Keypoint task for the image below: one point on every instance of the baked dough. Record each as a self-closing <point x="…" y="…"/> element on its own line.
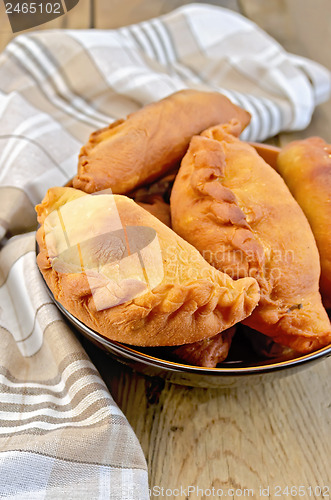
<point x="151" y="141"/>
<point x="306" y="168"/>
<point x="123" y="273"/>
<point x="238" y="212"/>
<point x="156" y="206"/>
<point x="207" y="352"/>
<point x="155" y="198"/>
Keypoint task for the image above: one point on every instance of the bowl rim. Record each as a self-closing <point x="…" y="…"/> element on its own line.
<point x="131" y="352"/>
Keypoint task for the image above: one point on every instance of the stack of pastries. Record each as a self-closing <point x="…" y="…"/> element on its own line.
<point x="174" y="232"/>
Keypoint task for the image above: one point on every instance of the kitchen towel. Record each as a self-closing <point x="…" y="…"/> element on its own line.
<point x="61" y="434"/>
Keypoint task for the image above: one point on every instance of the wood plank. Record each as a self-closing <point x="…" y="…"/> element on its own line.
<point x="5" y="29"/>
<point x="117" y="13"/>
<point x="259" y="435"/>
<point x="302" y="27"/>
<point x="78" y="17"/>
<point x="265" y="434"/>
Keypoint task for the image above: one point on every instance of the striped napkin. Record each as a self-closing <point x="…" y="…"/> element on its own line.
<point x="61" y="434"/>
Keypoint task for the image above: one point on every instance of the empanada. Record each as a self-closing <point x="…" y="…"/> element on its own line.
<point x="155" y="197"/>
<point x="238" y="212"/>
<point x="207" y="352"/>
<point x="151" y="141"/>
<point x="131" y="278"/>
<point x="306" y="168"/>
<point x="156" y="206"/>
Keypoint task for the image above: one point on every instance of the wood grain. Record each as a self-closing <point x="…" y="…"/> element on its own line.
<point x="259" y="435"/>
<point x="78" y="17"/>
<point x="115" y="13"/>
<point x="302" y="27"/>
<point x="265" y="434"/>
<point x="5" y="29"/>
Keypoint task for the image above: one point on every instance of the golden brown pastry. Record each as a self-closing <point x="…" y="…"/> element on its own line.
<point x="207" y="352"/>
<point x="155" y="197"/>
<point x="306" y="168"/>
<point x="267" y="152"/>
<point x="151" y="141"/>
<point x="156" y="206"/>
<point x="131" y="278"/>
<point x="162" y="187"/>
<point x="238" y="212"/>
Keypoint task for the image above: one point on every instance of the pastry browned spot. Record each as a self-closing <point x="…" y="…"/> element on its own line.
<point x="306" y="168"/>
<point x="239" y="213"/>
<point x="155" y="197"/>
<point x="151" y="141"/>
<point x="207" y="352"/>
<point x="119" y="270"/>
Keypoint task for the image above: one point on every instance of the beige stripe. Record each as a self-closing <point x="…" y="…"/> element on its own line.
<point x="86" y="79"/>
<point x="84" y="375"/>
<point x="85" y="390"/>
<point x="97" y="417"/>
<point x="34" y="321"/>
<point x="30" y="65"/>
<point x="91" y="398"/>
<point x="79" y="68"/>
<point x="50" y="387"/>
<point x="109" y="445"/>
<point x="13" y="250"/>
<point x="78" y="130"/>
<point x="53" y="71"/>
<point x="100" y="401"/>
<point x="29" y="390"/>
<point x="60" y="350"/>
<point x="17" y="210"/>
<point x="58" y="386"/>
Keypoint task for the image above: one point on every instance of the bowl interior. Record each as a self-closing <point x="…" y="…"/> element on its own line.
<point x="243" y="360"/>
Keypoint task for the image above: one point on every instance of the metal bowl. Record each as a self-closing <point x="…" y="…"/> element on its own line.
<point x="241" y="366"/>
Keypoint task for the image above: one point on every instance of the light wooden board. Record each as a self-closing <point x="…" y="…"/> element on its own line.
<point x="5" y="29"/>
<point x="303" y="27"/>
<point x="114" y="13"/>
<point x="265" y="434"/>
<point x="261" y="435"/>
<point x="78" y="17"/>
<point x="270" y="435"/>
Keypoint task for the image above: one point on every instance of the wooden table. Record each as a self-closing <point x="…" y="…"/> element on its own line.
<point x="255" y="439"/>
